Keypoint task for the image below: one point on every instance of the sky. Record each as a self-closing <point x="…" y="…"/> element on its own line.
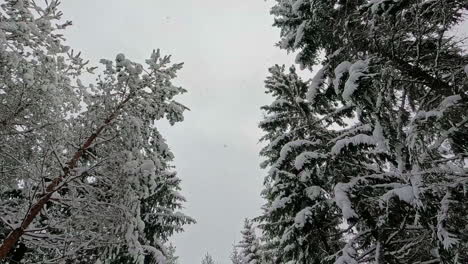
<point x="227" y="47"/>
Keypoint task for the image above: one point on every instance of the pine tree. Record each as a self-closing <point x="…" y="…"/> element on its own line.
<point x="392" y="94"/>
<point x="94" y="181"/>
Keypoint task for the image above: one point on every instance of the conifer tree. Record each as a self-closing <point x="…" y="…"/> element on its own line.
<point x="298" y="218"/>
<point x="249" y="245"/>
<point x="235" y="256"/>
<point x="207" y="259"/>
<point x="392" y="93"/>
<point x="85" y="173"/>
<point x="171" y="257"/>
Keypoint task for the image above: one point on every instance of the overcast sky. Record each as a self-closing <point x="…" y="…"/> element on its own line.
<point x="227" y="47"/>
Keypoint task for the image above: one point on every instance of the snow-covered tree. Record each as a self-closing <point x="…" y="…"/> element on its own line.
<point x="250" y="251"/>
<point x="207" y="259"/>
<point x="298" y="217"/>
<point x="391" y="94"/>
<point x="85" y="173"/>
<point x="235" y="256"/>
<point x="171" y="257"/>
<point x="269" y="250"/>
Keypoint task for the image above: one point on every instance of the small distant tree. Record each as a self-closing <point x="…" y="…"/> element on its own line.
<point x="171" y="257"/>
<point x="250" y="245"/>
<point x="235" y="256"/>
<point x="207" y="259"/>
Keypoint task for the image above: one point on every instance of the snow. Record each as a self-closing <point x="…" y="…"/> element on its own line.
<point x="340" y="70"/>
<point x="299" y="34"/>
<point x="107" y="64"/>
<point x="286" y="236"/>
<point x="284" y="42"/>
<point x="375" y="5"/>
<point x="347" y="256"/>
<point x="353" y="130"/>
<point x="406" y="139"/>
<point x="404" y="193"/>
<point x="297" y="5"/>
<point x="278" y="203"/>
<point x="55" y="196"/>
<point x="379" y="138"/>
<point x="416" y="181"/>
<point x="427" y="114"/>
<point x="315" y="85"/>
<point x="279" y="103"/>
<point x="356" y="72"/>
<point x="355" y="140"/>
<point x="8" y="26"/>
<point x="290" y="146"/>
<point x="147" y="165"/>
<point x="313" y="192"/>
<point x="335" y="53"/>
<point x="157" y="255"/>
<point x="28" y="77"/>
<point x="302" y="216"/>
<point x="278" y="140"/>
<point x="343" y="202"/>
<point x="305" y="157"/>
<point x="120" y="58"/>
<point x="103" y="207"/>
<point x="447" y="239"/>
<point x="270" y="119"/>
<point x="298" y="100"/>
<point x="300" y="60"/>
<point x="448" y="102"/>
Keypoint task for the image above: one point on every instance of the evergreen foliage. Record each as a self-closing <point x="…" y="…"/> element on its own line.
<point x="207" y="259"/>
<point x="382" y="140"/>
<point x="296" y="185"/>
<point x="250" y="251"/>
<point x="235" y="256"/>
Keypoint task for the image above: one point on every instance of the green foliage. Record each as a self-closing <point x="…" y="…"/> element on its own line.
<point x="376" y="138"/>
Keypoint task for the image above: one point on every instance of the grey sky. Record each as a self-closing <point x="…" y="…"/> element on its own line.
<point x="227" y="47"/>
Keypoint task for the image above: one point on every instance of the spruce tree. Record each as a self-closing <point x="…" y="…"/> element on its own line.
<point x="298" y="218"/>
<point x="249" y="245"/>
<point x="392" y="93"/>
<point x="235" y="256"/>
<point x="171" y="257"/>
<point x="207" y="259"/>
